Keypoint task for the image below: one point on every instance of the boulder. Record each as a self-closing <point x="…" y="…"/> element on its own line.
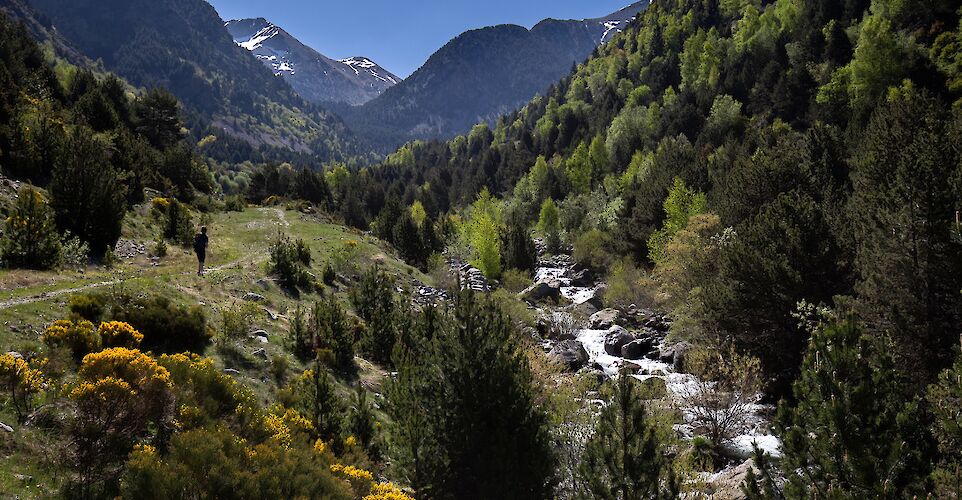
<point x="542" y="291"/>
<point x="231" y="371"/>
<point x="584" y="309"/>
<point x="727" y="484"/>
<point x="583" y="278"/>
<point x="254" y="297"/>
<point x="675" y="355"/>
<point x="616" y="338"/>
<point x="604" y="319"/>
<point x="636" y="349"/>
<point x="260" y="353"/>
<point x="569" y="353"/>
<point x="6" y="428"/>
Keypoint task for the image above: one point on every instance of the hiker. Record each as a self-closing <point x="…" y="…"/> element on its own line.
<point x="200" y="248"/>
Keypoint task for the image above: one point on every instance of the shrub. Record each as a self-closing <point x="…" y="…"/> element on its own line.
<point x="76" y="253"/>
<point x="79" y="337"/>
<point x="549" y="225"/>
<point x="514" y="280"/>
<point x="329" y="276"/>
<point x="288" y="259"/>
<point x="120" y="396"/>
<point x="90" y="307"/>
<point x="267" y="470"/>
<point x="166" y="326"/>
<point x="237" y="320"/>
<point x="626" y="285"/>
<point x="178" y="223"/>
<point x="22" y="382"/>
<point x="119" y="334"/>
<point x="30" y="238"/>
<point x="593" y="249"/>
<point x="235" y="203"/>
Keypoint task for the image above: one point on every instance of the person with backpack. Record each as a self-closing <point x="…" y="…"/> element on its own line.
<point x="200" y="248"/>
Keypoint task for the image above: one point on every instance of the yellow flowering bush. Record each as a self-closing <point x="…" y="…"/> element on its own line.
<point x="359" y="479"/>
<point x="387" y="491"/>
<point x="119" y="334"/>
<point x="160" y="203"/>
<point x="120" y="396"/>
<point x="22" y="382"/>
<point x="80" y="336"/>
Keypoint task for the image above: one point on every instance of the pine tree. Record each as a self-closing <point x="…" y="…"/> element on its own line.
<point x="902" y="210"/>
<point x="465" y="421"/>
<point x="331" y="331"/>
<point x="852" y="433"/>
<point x="945" y="400"/>
<point x="88" y="194"/>
<point x="624" y="460"/>
<point x="30" y="236"/>
<point x="374" y="302"/>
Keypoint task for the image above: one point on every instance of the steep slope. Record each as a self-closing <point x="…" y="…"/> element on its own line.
<point x="183" y="45"/>
<point x="314" y="76"/>
<point x="481" y="74"/>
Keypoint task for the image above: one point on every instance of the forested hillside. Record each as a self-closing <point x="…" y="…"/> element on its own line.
<point x="479" y="75"/>
<point x="721" y="258"/>
<point x="182" y="45"/>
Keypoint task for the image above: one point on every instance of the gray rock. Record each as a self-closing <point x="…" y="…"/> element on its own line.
<point x="636" y="349"/>
<point x="616" y="338"/>
<point x="260" y="353"/>
<point x="570" y="353"/>
<point x="261" y="333"/>
<point x="542" y="291"/>
<point x="231" y="371"/>
<point x="254" y="297"/>
<point x="6" y="428"/>
<point x="15" y="354"/>
<point x="583" y="278"/>
<point x="604" y="319"/>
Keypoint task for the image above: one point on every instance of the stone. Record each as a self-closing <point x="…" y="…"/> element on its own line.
<point x="254" y="297"/>
<point x="727" y="484"/>
<point x="604" y="319"/>
<point x="584" y="309"/>
<point x="636" y="349"/>
<point x="263" y="284"/>
<point x="231" y="371"/>
<point x="15" y="354"/>
<point x="260" y="353"/>
<point x="583" y="278"/>
<point x="542" y="291"/>
<point x="616" y="338"/>
<point x="569" y="353"/>
<point x="261" y="333"/>
<point x="23" y="478"/>
<point x="6" y="428"/>
<point x="675" y="355"/>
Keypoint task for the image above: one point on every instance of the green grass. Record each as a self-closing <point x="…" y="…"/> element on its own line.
<point x="238" y="257"/>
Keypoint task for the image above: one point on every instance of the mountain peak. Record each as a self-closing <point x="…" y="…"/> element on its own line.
<point x="314" y="76"/>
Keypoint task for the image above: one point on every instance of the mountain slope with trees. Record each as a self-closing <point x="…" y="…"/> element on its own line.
<point x="479" y="75"/>
<point x="182" y="45"/>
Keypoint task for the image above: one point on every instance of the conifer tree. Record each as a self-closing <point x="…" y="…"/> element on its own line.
<point x="30" y="236"/>
<point x="331" y="331"/>
<point x="852" y="433"/>
<point x="467" y="387"/>
<point x="549" y="224"/>
<point x="903" y="210"/>
<point x="624" y="460"/>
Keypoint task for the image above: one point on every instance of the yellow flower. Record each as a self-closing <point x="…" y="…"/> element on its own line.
<point x="320" y="447"/>
<point x="119" y="334"/>
<point x="351" y="441"/>
<point x="387" y="491"/>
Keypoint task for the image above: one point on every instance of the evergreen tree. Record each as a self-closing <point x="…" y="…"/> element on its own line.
<point x="89" y="196"/>
<point x="30" y="237"/>
<point x="519" y="249"/>
<point x="317" y="399"/>
<point x="469" y="388"/>
<point x="945" y="400"/>
<point x="361" y="422"/>
<point x="851" y="432"/>
<point x="374" y="302"/>
<point x="902" y="210"/>
<point x="331" y="331"/>
<point x="624" y="459"/>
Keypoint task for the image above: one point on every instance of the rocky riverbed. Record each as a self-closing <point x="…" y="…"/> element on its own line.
<point x="582" y="335"/>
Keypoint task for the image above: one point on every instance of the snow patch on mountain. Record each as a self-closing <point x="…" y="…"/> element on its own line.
<point x="363" y="64"/>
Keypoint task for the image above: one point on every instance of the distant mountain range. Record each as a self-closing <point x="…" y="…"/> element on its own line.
<point x="182" y="45"/>
<point x="480" y="75"/>
<point x="251" y="81"/>
<point x="314" y="76"/>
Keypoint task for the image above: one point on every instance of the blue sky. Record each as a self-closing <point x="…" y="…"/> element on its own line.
<point x="397" y="34"/>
